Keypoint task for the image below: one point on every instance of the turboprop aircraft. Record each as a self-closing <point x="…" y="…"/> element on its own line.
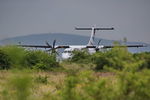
<point x="91" y="48"/>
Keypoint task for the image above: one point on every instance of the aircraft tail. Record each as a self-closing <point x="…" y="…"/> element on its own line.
<point x="93" y="29"/>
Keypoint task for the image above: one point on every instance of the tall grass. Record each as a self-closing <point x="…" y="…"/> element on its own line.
<point x="110" y="75"/>
<point x="84" y="85"/>
<point x="18" y="86"/>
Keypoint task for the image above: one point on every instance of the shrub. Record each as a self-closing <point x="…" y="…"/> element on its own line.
<point x="116" y="58"/>
<point x="32" y="58"/>
<point x="21" y="58"/>
<point x="100" y="59"/>
<point x="80" y="56"/>
<point x="134" y="86"/>
<point x="40" y="60"/>
<point x="145" y="56"/>
<point x="16" y="55"/>
<point x="5" y="62"/>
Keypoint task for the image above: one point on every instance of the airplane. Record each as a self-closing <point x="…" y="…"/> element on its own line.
<point x="68" y="49"/>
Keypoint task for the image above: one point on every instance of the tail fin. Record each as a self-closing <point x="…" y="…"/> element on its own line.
<point x="93" y="29"/>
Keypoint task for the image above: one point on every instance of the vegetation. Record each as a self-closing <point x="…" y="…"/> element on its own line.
<point x="4" y="60"/>
<point x="17" y="57"/>
<point x="116" y="58"/>
<point x="80" y="57"/>
<point x="114" y="74"/>
<point x="40" y="60"/>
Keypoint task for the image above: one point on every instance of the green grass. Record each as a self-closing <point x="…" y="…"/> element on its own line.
<point x="82" y="85"/>
<point x="111" y="75"/>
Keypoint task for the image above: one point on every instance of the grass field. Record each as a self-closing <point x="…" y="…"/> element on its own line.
<point x="78" y="85"/>
<point x="112" y="75"/>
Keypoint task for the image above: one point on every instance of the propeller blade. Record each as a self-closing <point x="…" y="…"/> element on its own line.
<point x="48" y="44"/>
<point x="54" y="42"/>
<point x="99" y="42"/>
<point x="97" y="49"/>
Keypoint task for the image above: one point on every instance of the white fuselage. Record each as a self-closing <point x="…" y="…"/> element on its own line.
<point x="67" y="53"/>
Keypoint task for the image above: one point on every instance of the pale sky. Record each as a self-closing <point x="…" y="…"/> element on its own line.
<point x="130" y="18"/>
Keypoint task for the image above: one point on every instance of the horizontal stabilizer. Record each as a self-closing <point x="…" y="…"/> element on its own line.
<point x="94" y="28"/>
<point x="83" y="28"/>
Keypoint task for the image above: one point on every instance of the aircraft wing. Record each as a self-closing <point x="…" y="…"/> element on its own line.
<point x="111" y="46"/>
<point x="62" y="46"/>
<point x="78" y="46"/>
<point x="124" y="46"/>
<point x="36" y="46"/>
<point x="94" y="46"/>
<point x="44" y="46"/>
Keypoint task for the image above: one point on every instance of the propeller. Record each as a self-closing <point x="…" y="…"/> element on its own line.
<point x="53" y="48"/>
<point x="97" y="49"/>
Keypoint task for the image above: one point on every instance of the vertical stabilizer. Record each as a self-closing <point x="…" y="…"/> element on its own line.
<point x="91" y="41"/>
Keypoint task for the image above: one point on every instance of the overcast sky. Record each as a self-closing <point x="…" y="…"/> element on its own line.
<point x="130" y="18"/>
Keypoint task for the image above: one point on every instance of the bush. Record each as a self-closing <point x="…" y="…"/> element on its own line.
<point x="134" y="86"/>
<point x="116" y="58"/>
<point x="145" y="56"/>
<point x="80" y="57"/>
<point x="5" y="62"/>
<point x="21" y="58"/>
<point x="41" y="60"/>
<point x="16" y="55"/>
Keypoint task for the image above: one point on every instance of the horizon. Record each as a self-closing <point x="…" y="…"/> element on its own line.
<point x="23" y="36"/>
